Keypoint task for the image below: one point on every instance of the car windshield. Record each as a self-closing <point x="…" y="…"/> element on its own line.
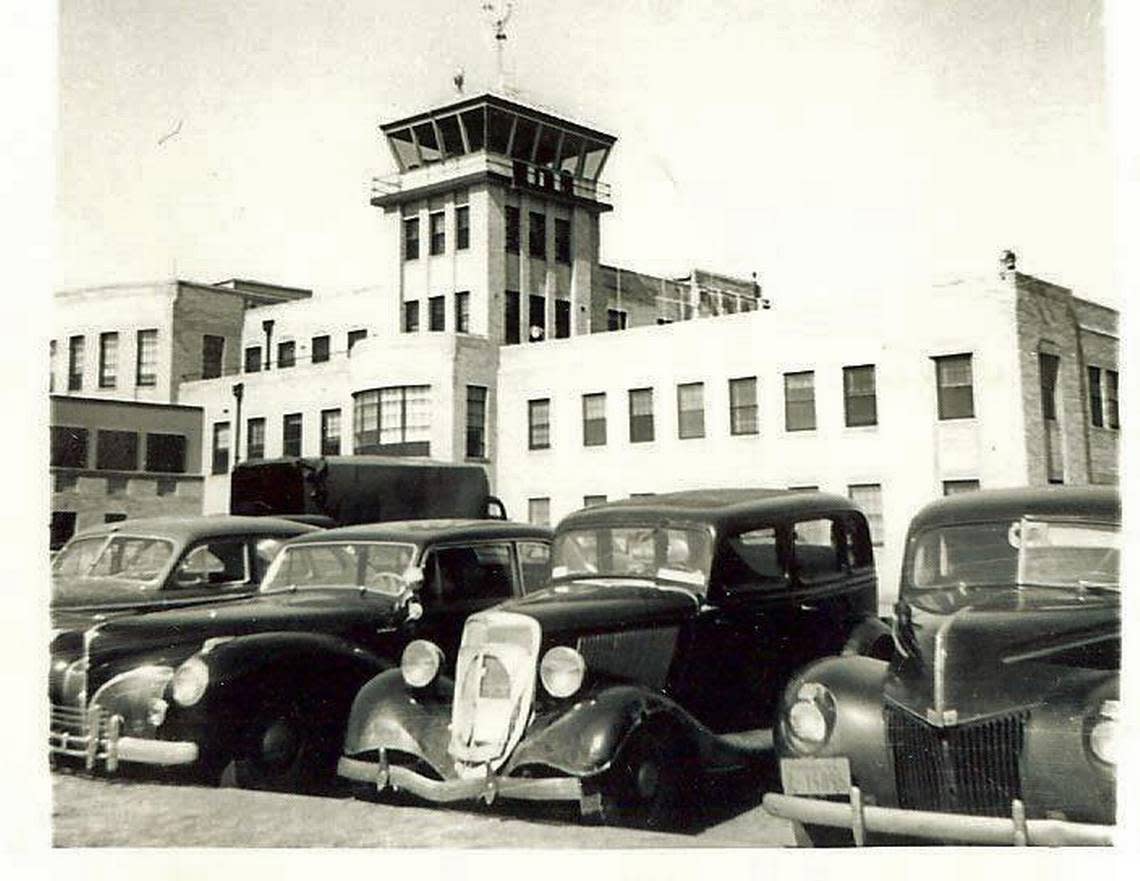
<point x="1028" y="552"/>
<point x="376" y="566"/>
<point x="123" y="558"/>
<point x="77" y="556"/>
<point x="667" y="554"/>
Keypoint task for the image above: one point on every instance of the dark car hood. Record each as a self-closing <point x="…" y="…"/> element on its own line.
<point x="994" y="650"/>
<point x="604" y="604"/>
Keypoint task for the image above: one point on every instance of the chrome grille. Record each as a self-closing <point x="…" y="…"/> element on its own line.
<point x="640" y="655"/>
<point x="91" y="735"/>
<point x="968" y="769"/>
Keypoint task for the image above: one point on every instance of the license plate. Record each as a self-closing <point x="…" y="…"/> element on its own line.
<point x="829" y="776"/>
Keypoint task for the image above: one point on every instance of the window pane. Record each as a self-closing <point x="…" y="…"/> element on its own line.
<point x="538" y="511"/>
<point x="513" y="230"/>
<point x="537" y="317"/>
<point x="534" y="560"/>
<point x="511" y="318"/>
<point x="594" y="419"/>
<point x="1096" y="407"/>
<point x="438" y="235"/>
<point x="753" y="559"/>
<point x="252" y="359"/>
<point x="147" y="358"/>
<point x="561" y="240"/>
<point x="221" y="448"/>
<point x="108" y="359"/>
<point x="816" y="549"/>
<point x="213" y="348"/>
<point x="437" y="309"/>
<point x="474" y="123"/>
<point x="411" y="238"/>
<point x="690" y="410"/>
<point x="561" y="319"/>
<point x="286" y="354"/>
<point x="476" y="422"/>
<point x="411" y="316"/>
<point x="1111" y="398"/>
<point x="955" y="387"/>
<point x="75" y="354"/>
<point x="330" y="432"/>
<point x="68" y="447"/>
<point x="462" y="312"/>
<point x="462" y="228"/>
<point x="537" y="235"/>
<point x="166" y="453"/>
<point x="1048" y="367"/>
<point x="117" y="451"/>
<point x="291" y="434"/>
<point x="320" y="349"/>
<point x="859" y="395"/>
<point x="799" y="401"/>
<point x="429" y="146"/>
<point x="449" y="130"/>
<point x="743" y="412"/>
<point x="538" y="424"/>
<point x="641" y="415"/>
<point x="255" y="439"/>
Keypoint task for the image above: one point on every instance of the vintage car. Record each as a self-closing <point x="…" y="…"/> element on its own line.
<point x="997" y="719"/>
<point x="658" y="651"/>
<point x="263" y="686"/>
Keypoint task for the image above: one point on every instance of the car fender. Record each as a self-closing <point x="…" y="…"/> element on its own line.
<point x="871" y="638"/>
<point x="388" y="714"/>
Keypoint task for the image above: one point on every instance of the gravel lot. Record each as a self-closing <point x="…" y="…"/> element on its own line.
<point x="142" y="813"/>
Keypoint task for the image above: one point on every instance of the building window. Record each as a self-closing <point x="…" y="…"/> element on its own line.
<point x="561" y="240"/>
<point x="108" y="359"/>
<point x="221" y="448"/>
<point x="62" y="527"/>
<point x="255" y="439"/>
<point x="561" y="319"/>
<point x="592" y="501"/>
<point x="511" y="318"/>
<point x="213" y="349"/>
<point x="538" y="424"/>
<point x="411" y="316"/>
<point x="1096" y="402"/>
<point x="537" y="316"/>
<point x="859" y="404"/>
<point x="869" y="497"/>
<point x="640" y="415"/>
<point x="462" y="228"/>
<point x="690" y="410"/>
<point x="330" y="432"/>
<point x="395" y="420"/>
<point x="1048" y="367"/>
<point x="114" y="518"/>
<point x="438" y="243"/>
<point x="68" y="447"/>
<point x="953" y="487"/>
<point x="743" y="413"/>
<point x="252" y="359"/>
<point x="75" y="364"/>
<point x="291" y="434"/>
<point x="476" y="422"/>
<point x="538" y="511"/>
<point x="355" y="336"/>
<point x="411" y="238"/>
<point x="437" y="309"/>
<point x="616" y="319"/>
<point x="117" y="451"/>
<point x="166" y="453"/>
<point x="512" y="232"/>
<point x="594" y="420"/>
<point x="320" y="349"/>
<point x="462" y="312"/>
<point x="51" y="366"/>
<point x="955" y="375"/>
<point x="286" y="353"/>
<point x="146" y="358"/>
<point x="537" y="235"/>
<point x="1112" y="399"/>
<point x="799" y="401"/>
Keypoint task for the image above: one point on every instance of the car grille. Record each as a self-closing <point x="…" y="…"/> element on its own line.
<point x="968" y="769"/>
<point x="638" y="655"/>
<point x="90" y="735"/>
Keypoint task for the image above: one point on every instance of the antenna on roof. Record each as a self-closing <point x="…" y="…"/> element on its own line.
<point x="498" y="16"/>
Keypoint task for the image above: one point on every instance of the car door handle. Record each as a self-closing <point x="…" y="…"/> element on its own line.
<point x="808" y="607"/>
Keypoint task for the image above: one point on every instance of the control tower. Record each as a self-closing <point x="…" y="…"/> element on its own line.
<point x="493" y="214"/>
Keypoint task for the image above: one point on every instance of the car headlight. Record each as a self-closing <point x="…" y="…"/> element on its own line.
<point x="1104" y="735"/>
<point x="810" y="718"/>
<point x="190" y="681"/>
<point x="562" y="671"/>
<point x="420" y="663"/>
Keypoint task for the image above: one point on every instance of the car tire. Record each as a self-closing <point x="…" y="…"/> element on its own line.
<point x="645" y="785"/>
<point x="284" y="751"/>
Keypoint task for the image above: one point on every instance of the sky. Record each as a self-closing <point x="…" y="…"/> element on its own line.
<point x="836" y="147"/>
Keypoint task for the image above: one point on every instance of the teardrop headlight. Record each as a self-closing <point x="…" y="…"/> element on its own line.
<point x="562" y="671"/>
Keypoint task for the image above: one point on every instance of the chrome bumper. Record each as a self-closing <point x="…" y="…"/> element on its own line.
<point x="396" y="777"/>
<point x="861" y="818"/>
<point x="95" y="736"/>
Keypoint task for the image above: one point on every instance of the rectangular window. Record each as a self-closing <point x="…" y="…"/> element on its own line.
<point x="75" y="364"/>
<point x="594" y="420"/>
<point x="513" y="229"/>
<point x="146" y="358"/>
<point x="411" y="316"/>
<point x="255" y="439"/>
<point x="476" y="422"/>
<point x="221" y="448"/>
<point x="330" y="432"/>
<point x="953" y="487"/>
<point x="355" y="336"/>
<point x="411" y="238"/>
<point x="462" y="312"/>
<point x="320" y="349"/>
<point x="537" y="237"/>
<point x="561" y="319"/>
<point x="291" y="434"/>
<point x="616" y="319"/>
<point x="869" y="497"/>
<point x="537" y="316"/>
<point x="393" y="421"/>
<point x="117" y="451"/>
<point x="511" y="318"/>
<point x="1112" y="399"/>
<point x="859" y="403"/>
<point x="108" y="359"/>
<point x="816" y="549"/>
<point x="166" y="453"/>
<point x="213" y="350"/>
<point x="286" y="353"/>
<point x="799" y="401"/>
<point x="743" y="413"/>
<point x="591" y="501"/>
<point x="252" y="359"/>
<point x="690" y="410"/>
<point x="640" y="415"/>
<point x="437" y="310"/>
<point x="62" y="527"/>
<point x="1048" y="367"/>
<point x="462" y="228"/>
<point x="438" y="243"/>
<point x="68" y="447"/>
<point x="538" y="511"/>
<point x="955" y="376"/>
<point x="1096" y="402"/>
<point x="561" y="240"/>
<point x="538" y="424"/>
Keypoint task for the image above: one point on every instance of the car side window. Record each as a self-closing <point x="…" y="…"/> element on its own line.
<point x="457" y="574"/>
<point x="534" y="561"/>
<point x="857" y="542"/>
<point x="753" y="560"/>
<point x="214" y="563"/>
<point x="816" y="547"/>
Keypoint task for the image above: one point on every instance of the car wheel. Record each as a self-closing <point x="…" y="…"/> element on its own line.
<point x="644" y="787"/>
<point x="285" y="751"/>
